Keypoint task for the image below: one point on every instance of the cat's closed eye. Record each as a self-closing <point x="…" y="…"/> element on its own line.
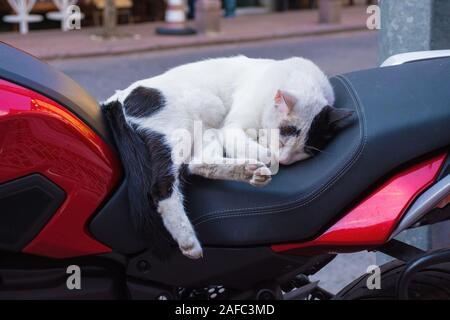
<point x="289" y="131"/>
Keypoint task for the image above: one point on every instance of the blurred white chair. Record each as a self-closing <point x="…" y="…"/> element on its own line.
<point x="23" y="17"/>
<point x="63" y="12"/>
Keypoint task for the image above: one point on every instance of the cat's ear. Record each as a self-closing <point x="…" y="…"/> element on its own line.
<point x="338" y="118"/>
<point x="284" y="101"/>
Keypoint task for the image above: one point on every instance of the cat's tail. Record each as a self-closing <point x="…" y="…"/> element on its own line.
<point x="136" y="161"/>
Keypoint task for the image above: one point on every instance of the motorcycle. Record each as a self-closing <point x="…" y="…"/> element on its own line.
<point x="64" y="205"/>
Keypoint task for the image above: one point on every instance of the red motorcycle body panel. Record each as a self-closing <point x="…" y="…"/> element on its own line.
<point x="373" y="220"/>
<point x="39" y="136"/>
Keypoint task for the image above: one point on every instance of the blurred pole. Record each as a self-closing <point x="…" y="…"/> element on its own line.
<point x="413" y="25"/>
<point x="207" y="16"/>
<point x="406" y="26"/>
<point x="109" y="18"/>
<point x="330" y="11"/>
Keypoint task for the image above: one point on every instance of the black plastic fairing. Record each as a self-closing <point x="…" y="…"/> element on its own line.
<point x="112" y="224"/>
<point x="238" y="268"/>
<point x="28" y="277"/>
<point x="26" y="204"/>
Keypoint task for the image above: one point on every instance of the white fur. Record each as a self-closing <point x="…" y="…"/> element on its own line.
<point x="233" y="92"/>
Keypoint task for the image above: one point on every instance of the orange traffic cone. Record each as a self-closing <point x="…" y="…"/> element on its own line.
<point x="175" y="20"/>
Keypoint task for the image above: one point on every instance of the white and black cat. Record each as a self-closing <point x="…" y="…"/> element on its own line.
<point x="230" y="96"/>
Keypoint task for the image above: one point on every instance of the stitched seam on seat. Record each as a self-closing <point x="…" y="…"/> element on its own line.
<point x="272" y="209"/>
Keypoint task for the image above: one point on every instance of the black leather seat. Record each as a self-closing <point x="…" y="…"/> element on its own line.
<point x="402" y="112"/>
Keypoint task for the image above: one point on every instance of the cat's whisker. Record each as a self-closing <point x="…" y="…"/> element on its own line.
<point x="318" y="150"/>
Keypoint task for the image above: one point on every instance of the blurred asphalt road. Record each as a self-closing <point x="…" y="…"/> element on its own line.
<point x="333" y="53"/>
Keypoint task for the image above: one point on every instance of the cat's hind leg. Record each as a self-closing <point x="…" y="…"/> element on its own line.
<point x="165" y="192"/>
<point x="177" y="223"/>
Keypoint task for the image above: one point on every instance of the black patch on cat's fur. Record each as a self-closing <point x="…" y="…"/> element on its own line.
<point x="148" y="176"/>
<point x="183" y="173"/>
<point x="161" y="163"/>
<point x="290" y="131"/>
<point x="143" y="102"/>
<point x="325" y="125"/>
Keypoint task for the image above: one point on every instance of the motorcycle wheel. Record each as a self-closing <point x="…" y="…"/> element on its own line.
<point x="432" y="283"/>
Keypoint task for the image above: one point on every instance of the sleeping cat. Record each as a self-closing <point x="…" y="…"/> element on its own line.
<point x="229" y="95"/>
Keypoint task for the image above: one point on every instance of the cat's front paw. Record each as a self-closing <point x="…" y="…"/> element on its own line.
<point x="191" y="248"/>
<point x="265" y="156"/>
<point x="259" y="174"/>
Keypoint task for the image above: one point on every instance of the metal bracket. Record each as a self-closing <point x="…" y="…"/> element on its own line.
<point x="400" y="250"/>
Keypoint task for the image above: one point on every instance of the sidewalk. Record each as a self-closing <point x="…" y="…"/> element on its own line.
<point x="54" y="44"/>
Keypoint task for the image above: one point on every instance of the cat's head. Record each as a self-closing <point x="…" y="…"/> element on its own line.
<point x="305" y="128"/>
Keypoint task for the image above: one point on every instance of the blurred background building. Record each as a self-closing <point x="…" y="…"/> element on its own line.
<point x="138" y="11"/>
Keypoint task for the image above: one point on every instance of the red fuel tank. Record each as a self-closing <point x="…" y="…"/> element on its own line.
<point x="37" y="135"/>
